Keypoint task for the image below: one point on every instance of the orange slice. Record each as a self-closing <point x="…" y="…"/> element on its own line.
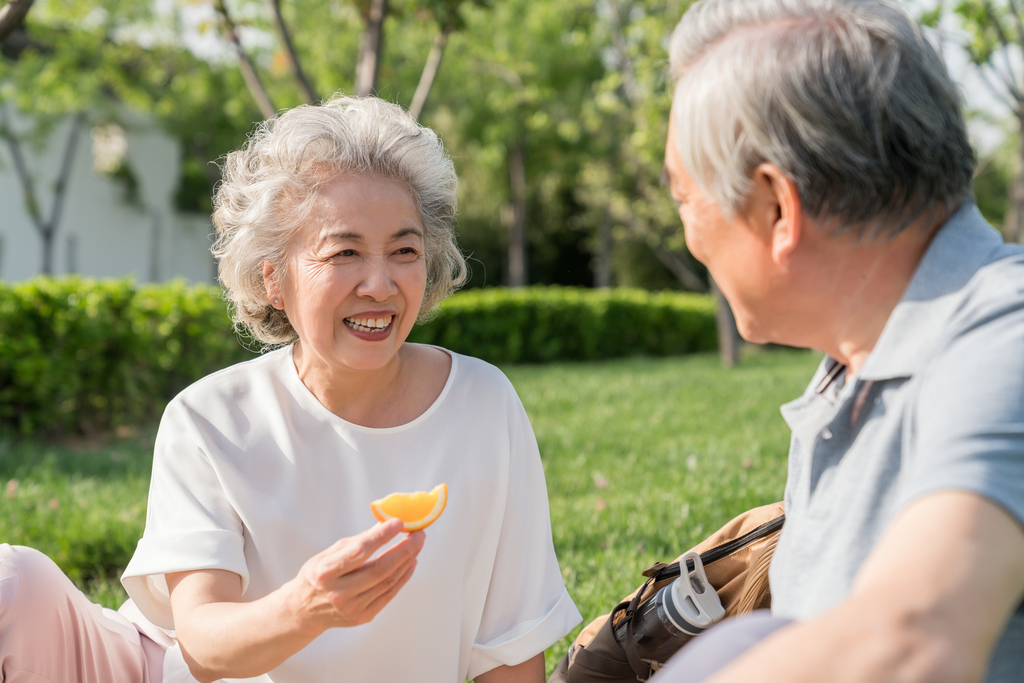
<point x="418" y="510"/>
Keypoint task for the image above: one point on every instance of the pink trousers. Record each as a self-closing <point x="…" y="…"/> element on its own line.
<point x="51" y="633"/>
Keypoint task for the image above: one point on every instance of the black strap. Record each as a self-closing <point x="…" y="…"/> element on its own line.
<point x="628" y="644"/>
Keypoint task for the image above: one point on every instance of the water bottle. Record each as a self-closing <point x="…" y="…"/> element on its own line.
<point x="675" y="614"/>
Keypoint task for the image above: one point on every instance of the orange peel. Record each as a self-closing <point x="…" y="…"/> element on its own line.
<point x="417" y="510"/>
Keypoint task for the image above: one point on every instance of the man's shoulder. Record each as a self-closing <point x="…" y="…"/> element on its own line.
<point x="993" y="298"/>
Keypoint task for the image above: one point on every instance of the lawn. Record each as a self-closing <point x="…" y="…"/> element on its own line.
<point x="643" y="458"/>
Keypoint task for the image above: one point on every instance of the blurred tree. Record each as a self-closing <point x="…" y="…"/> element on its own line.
<point x="11" y="16"/>
<point x="995" y="38"/>
<point x="509" y="111"/>
<point x="70" y="62"/>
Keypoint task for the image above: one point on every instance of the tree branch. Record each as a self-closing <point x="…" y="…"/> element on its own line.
<point x="11" y="16"/>
<point x="61" y="186"/>
<point x="300" y="75"/>
<point x="372" y="48"/>
<point x="28" y="187"/>
<point x="993" y="89"/>
<point x="679" y="269"/>
<point x="252" y="80"/>
<point x="430" y="69"/>
<point x="629" y="83"/>
<point x="1018" y="23"/>
<point x="1011" y="80"/>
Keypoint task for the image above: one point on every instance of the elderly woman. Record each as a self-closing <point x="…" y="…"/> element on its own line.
<point x="335" y="236"/>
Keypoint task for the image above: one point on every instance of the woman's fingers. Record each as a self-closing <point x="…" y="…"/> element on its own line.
<point x="348" y="582"/>
<point x="378" y="602"/>
<point x="374" y="577"/>
<point x="348" y="554"/>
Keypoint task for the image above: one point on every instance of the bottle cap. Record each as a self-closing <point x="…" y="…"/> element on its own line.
<point x="693" y="605"/>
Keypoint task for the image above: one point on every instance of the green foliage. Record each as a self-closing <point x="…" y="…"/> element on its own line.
<point x="84" y="506"/>
<point x="81" y="355"/>
<point x="643" y="458"/>
<point x="544" y="324"/>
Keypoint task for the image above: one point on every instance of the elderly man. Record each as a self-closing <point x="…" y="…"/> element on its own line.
<point x="818" y="152"/>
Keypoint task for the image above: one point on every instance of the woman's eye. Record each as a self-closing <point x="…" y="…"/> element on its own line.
<point x="345" y="253"/>
<point x="406" y="251"/>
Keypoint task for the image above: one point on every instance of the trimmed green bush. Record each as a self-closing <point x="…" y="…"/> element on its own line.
<point x="545" y="324"/>
<point x="81" y="355"/>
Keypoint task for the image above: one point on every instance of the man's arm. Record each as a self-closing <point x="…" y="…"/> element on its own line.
<point x="929" y="604"/>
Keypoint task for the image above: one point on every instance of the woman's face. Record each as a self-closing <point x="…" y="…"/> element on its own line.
<point x="356" y="274"/>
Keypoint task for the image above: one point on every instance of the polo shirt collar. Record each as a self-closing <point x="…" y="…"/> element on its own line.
<point x="961" y="246"/>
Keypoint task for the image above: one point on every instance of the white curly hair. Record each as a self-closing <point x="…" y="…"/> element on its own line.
<point x="270" y="186"/>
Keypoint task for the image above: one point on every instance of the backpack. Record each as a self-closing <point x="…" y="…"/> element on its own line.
<point x="736" y="560"/>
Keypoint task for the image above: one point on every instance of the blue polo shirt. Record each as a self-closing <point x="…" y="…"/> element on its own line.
<point x="938" y="405"/>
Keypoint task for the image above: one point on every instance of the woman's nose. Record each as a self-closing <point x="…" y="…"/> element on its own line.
<point x="377" y="282"/>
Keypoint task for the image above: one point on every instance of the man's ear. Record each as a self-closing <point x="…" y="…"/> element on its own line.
<point x="780" y="209"/>
<point x="272" y="286"/>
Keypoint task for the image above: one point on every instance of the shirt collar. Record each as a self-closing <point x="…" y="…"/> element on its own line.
<point x="962" y="245"/>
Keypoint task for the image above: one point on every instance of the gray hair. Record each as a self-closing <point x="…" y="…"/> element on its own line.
<point x="271" y="185"/>
<point x="846" y="97"/>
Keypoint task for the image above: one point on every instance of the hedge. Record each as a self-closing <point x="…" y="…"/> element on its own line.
<point x="543" y="324"/>
<point x="80" y="355"/>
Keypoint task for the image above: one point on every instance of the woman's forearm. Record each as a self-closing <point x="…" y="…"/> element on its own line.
<point x="222" y="639"/>
<point x="221" y="636"/>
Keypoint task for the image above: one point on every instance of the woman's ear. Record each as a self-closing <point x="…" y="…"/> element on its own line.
<point x="782" y="212"/>
<point x="270" y="283"/>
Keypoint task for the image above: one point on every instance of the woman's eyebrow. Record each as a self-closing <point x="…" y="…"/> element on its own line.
<point x="407" y="231"/>
<point x="339" y="236"/>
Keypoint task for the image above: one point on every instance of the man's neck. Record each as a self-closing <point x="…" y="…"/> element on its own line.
<point x="859" y="285"/>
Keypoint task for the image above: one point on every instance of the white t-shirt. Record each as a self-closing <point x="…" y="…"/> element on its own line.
<point x="252" y="474"/>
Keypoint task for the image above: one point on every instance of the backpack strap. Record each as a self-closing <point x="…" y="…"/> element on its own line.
<point x="641" y="670"/>
<point x="606" y="665"/>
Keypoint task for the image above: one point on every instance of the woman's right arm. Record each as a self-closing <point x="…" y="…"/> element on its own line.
<point x="223" y="637"/>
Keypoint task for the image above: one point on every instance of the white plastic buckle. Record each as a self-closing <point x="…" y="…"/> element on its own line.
<point x="696" y="604"/>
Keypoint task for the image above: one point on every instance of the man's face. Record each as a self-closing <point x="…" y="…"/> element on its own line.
<point x="736" y="252"/>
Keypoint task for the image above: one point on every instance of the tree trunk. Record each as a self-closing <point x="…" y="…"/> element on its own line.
<point x="430" y="69"/>
<point x="12" y="15"/>
<point x="1013" y="224"/>
<point x="371" y="49"/>
<point x="47" y="229"/>
<point x="728" y="335"/>
<point x="518" y="265"/>
<point x="603" y="269"/>
<point x="300" y="75"/>
<point x="245" y="65"/>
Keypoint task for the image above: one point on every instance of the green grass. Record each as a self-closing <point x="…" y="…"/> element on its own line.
<point x="643" y="457"/>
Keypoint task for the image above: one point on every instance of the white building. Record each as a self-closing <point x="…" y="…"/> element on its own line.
<point x="102" y="233"/>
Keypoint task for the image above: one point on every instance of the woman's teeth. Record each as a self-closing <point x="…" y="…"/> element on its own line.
<point x="369" y="324"/>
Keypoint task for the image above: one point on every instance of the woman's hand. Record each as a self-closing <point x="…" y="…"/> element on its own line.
<point x="342" y="586"/>
<point x="223" y="637"/>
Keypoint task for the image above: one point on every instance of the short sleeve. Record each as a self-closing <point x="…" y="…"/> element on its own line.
<point x="969" y="420"/>
<point x="190" y="523"/>
<point x="527" y="608"/>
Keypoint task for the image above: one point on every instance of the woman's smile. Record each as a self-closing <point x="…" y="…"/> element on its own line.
<point x="370" y="326"/>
